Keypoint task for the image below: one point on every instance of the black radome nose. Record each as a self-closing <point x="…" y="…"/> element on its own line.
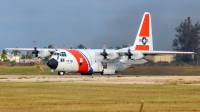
<point x="52" y="63"/>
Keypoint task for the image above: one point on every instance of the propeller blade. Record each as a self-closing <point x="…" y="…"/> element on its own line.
<point x="129" y="54"/>
<point x="35" y="52"/>
<point x="104" y="45"/>
<point x="104" y="54"/>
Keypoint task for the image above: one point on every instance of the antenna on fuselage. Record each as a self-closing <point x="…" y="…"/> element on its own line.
<point x="64" y="46"/>
<point x="54" y="47"/>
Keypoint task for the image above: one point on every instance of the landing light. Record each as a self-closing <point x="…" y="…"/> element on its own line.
<point x="52" y="70"/>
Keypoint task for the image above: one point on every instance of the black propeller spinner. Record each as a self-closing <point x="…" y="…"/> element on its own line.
<point x="129" y="54"/>
<point x="35" y="52"/>
<point x="104" y="54"/>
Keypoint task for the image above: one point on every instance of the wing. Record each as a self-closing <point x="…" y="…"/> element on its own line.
<point x="30" y="49"/>
<point x="39" y="52"/>
<point x="164" y="52"/>
<point x="139" y="54"/>
<point x="152" y="52"/>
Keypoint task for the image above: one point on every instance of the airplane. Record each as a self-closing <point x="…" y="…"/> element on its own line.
<point x="103" y="61"/>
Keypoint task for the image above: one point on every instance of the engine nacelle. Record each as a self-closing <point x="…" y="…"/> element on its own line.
<point x="44" y="53"/>
<point x="135" y="62"/>
<point x="112" y="55"/>
<point x="137" y="55"/>
<point x="109" y="71"/>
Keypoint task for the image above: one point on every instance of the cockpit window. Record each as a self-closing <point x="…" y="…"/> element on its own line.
<point x="56" y="54"/>
<point x="63" y="54"/>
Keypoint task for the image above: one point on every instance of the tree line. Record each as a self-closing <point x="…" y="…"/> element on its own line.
<point x="187" y="38"/>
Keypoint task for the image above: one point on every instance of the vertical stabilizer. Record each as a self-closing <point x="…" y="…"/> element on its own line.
<point x="144" y="40"/>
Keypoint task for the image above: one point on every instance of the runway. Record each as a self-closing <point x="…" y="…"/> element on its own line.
<point x="115" y="79"/>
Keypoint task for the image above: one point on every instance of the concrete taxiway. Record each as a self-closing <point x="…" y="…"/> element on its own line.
<point x="115" y="79"/>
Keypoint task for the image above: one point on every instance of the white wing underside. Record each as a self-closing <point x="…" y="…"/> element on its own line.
<point x="30" y="49"/>
<point x="165" y="52"/>
<point x="121" y="51"/>
<point x="156" y="52"/>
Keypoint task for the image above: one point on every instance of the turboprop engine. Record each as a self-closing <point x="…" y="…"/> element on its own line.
<point x="134" y="55"/>
<point x="106" y="55"/>
<point x="44" y="53"/>
<point x="137" y="55"/>
<point x="135" y="62"/>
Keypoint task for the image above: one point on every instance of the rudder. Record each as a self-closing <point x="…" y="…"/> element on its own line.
<point x="144" y="40"/>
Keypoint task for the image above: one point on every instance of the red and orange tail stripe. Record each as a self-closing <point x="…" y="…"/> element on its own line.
<point x="145" y="27"/>
<point x="142" y="47"/>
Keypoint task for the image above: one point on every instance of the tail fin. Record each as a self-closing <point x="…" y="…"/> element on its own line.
<point x="144" y="40"/>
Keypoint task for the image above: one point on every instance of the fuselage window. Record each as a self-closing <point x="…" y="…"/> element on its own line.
<point x="62" y="60"/>
<point x="65" y="54"/>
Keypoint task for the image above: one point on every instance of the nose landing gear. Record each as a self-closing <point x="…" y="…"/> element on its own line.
<point x="61" y="73"/>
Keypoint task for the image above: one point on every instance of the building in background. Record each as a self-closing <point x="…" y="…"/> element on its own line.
<point x="11" y="57"/>
<point x="167" y="58"/>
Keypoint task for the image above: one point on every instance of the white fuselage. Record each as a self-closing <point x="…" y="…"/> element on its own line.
<point x="90" y="61"/>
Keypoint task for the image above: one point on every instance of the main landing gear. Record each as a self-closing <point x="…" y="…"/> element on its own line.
<point x="61" y="73"/>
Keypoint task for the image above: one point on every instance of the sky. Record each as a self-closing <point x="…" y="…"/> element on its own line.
<point x="90" y="22"/>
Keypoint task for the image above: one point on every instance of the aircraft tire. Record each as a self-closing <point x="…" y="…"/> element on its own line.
<point x="61" y="73"/>
<point x="101" y="73"/>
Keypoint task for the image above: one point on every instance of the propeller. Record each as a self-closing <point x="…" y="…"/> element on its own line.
<point x="64" y="46"/>
<point x="104" y="53"/>
<point x="54" y="46"/>
<point x="35" y="51"/>
<point x="129" y="54"/>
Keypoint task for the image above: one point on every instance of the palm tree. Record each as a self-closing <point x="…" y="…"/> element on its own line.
<point x="4" y="55"/>
<point x="15" y="53"/>
<point x="29" y="55"/>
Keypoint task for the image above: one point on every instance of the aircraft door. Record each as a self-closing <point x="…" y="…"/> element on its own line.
<point x="58" y="55"/>
<point x="81" y="61"/>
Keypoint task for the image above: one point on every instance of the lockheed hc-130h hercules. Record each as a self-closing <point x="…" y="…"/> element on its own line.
<point x="103" y="61"/>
